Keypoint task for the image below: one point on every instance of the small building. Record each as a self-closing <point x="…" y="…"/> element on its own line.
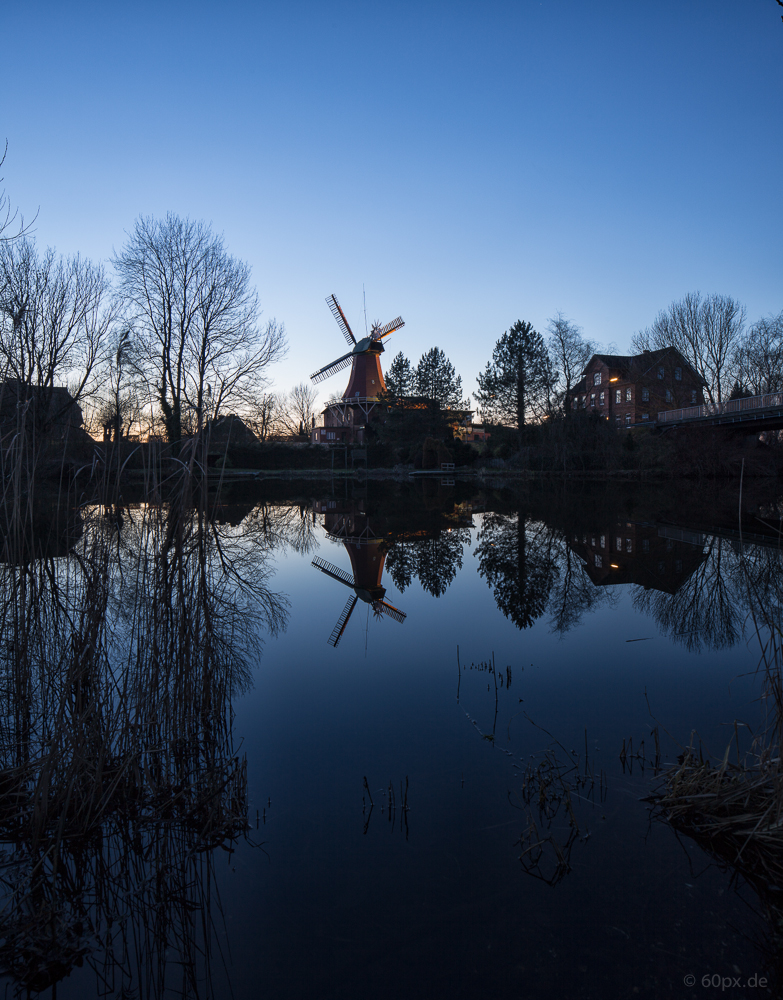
<point x="50" y="408"/>
<point x="633" y="390"/>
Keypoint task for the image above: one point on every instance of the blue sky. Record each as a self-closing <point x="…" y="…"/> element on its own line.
<point x="470" y="164"/>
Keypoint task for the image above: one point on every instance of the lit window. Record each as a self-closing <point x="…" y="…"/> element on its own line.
<point x="618" y="395"/>
<point x="627" y="418"/>
<point x="597" y="378"/>
<point x="592" y="399"/>
<point x="628" y="395"/>
<point x="660" y="372"/>
<point x="601" y="399"/>
<point x="645" y="395"/>
<point x="678" y="374"/>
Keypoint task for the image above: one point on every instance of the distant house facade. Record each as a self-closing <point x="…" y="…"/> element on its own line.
<point x="633" y="390"/>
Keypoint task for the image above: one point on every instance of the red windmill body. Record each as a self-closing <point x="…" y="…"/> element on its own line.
<point x="346" y="418"/>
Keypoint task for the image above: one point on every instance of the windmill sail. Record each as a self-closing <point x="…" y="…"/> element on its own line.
<point x="384" y="331"/>
<point x="330" y="369"/>
<point x="334" y="571"/>
<point x="342" y="621"/>
<point x="388" y="609"/>
<point x="342" y="322"/>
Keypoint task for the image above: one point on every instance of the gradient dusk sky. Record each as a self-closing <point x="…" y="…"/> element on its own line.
<point x="470" y="164"/>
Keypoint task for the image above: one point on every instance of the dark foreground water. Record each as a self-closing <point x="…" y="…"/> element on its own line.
<point x="431" y="685"/>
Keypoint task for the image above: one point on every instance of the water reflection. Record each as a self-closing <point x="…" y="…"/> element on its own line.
<point x="118" y="768"/>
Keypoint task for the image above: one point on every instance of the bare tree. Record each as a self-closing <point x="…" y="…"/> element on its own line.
<point x="12" y="224"/>
<point x="196" y="306"/>
<point x="298" y="410"/>
<point x="706" y="331"/>
<point x="262" y="413"/>
<point x="758" y="359"/>
<point x="55" y="314"/>
<point x="569" y="352"/>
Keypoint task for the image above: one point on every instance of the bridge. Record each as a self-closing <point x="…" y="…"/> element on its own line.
<point x="751" y="413"/>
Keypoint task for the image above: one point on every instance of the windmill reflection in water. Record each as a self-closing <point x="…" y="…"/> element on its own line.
<point x="367" y="554"/>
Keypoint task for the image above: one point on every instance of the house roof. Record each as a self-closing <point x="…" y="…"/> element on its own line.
<point x="632" y="367"/>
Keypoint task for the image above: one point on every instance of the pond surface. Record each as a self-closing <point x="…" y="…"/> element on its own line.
<point x="424" y="695"/>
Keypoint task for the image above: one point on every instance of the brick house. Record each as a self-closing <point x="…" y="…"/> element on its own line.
<point x="633" y="390"/>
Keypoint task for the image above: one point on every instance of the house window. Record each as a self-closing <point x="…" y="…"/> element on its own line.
<point x="678" y="565"/>
<point x="628" y="395"/>
<point x="693" y="396"/>
<point x="627" y="419"/>
<point x="660" y="372"/>
<point x="618" y="395"/>
<point x="678" y="374"/>
<point x="645" y="395"/>
<point x="582" y="398"/>
<point x="601" y="399"/>
<point x="597" y="378"/>
<point x="330" y="435"/>
<point x="592" y="541"/>
<point x="603" y="541"/>
<point x="619" y="545"/>
<point x="628" y="545"/>
<point x="645" y="545"/>
<point x="592" y="399"/>
<point x="645" y="416"/>
<point x="668" y="395"/>
<point x="598" y="561"/>
<point x="617" y="420"/>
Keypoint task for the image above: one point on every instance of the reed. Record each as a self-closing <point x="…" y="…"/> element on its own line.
<point x="125" y="632"/>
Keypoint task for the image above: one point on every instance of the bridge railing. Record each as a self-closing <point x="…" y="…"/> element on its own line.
<point x="716" y="409"/>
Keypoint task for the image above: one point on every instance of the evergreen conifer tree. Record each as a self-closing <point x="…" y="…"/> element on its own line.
<point x="517" y="381"/>
<point x="399" y="378"/>
<point x="436" y="379"/>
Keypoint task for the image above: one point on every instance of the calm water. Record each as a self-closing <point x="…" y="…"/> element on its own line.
<point x="463" y="647"/>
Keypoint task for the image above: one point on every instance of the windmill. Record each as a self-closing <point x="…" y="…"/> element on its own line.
<point x="366" y="381"/>
<point x="372" y="594"/>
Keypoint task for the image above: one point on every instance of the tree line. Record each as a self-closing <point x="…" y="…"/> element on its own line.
<point x="530" y="378"/>
<point x="175" y="341"/>
<point x="179" y="340"/>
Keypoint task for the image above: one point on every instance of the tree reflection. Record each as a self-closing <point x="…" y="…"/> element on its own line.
<point x="708" y="610"/>
<point x="117" y="762"/>
<point x="516" y="560"/>
<point x="434" y="561"/>
<point x="573" y="592"/>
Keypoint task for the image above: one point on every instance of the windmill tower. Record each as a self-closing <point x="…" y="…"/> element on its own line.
<point x="346" y="416"/>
